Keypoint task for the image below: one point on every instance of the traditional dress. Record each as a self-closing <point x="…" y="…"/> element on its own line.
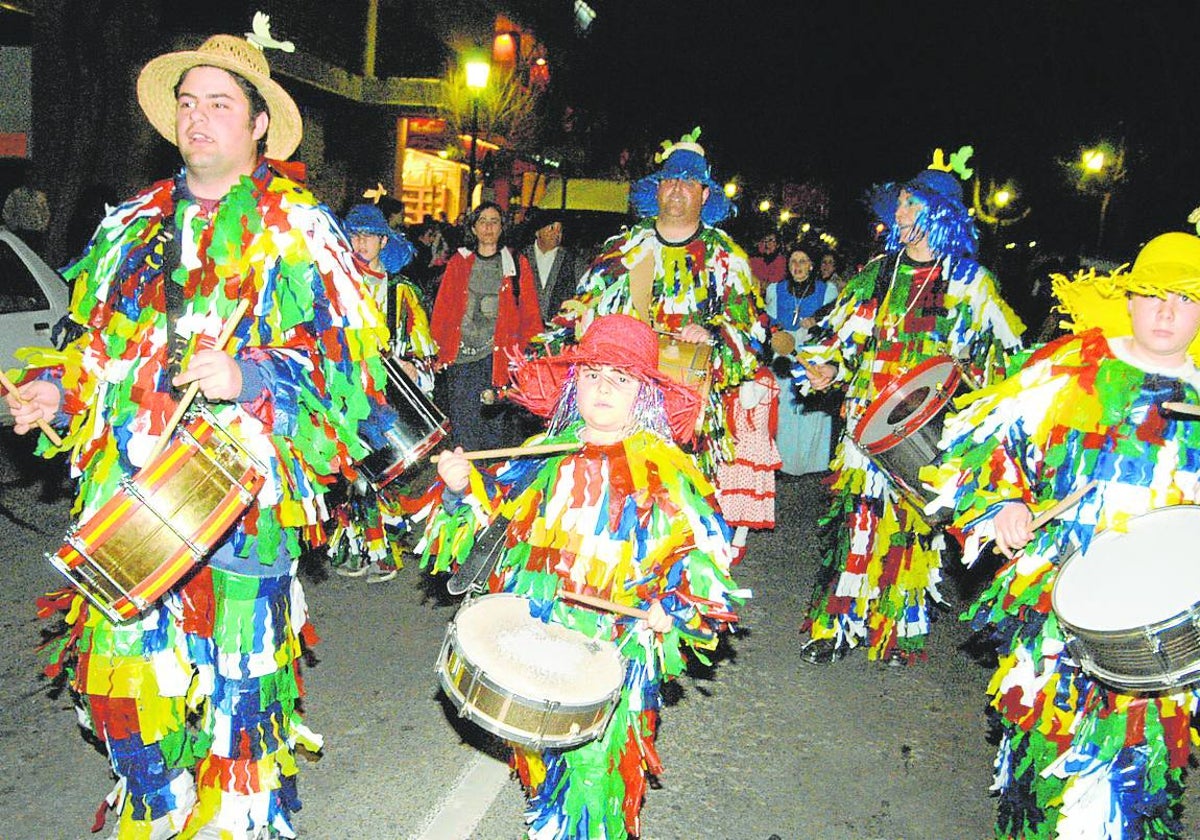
<point x="885" y="562"/>
<point x="1077" y="759"/>
<point x="631" y="521"/>
<point x="804" y="432"/>
<point x="746" y="485"/>
<point x="199" y="696"/>
<point x="705" y="280"/>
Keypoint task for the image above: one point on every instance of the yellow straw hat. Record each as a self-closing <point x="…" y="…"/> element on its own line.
<point x="1168" y="263"/>
<point x="156" y="89"/>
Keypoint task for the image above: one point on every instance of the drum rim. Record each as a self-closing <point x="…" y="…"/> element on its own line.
<point x="916" y="420"/>
<point x="1108" y="534"/>
<point x="609" y="646"/>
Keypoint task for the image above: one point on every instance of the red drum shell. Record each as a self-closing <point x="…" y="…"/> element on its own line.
<point x="901" y="427"/>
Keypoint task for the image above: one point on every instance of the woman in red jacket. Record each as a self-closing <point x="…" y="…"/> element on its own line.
<point x="486" y="306"/>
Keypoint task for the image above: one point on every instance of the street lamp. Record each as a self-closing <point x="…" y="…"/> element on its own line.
<point x="1100" y="170"/>
<point x="477" y="76"/>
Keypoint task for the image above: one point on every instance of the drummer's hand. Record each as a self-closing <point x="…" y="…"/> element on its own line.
<point x="821" y="376"/>
<point x="410" y="370"/>
<point x="216" y="372"/>
<point x="39" y="401"/>
<point x="454" y="470"/>
<point x="1013" y="531"/>
<point x="808" y="323"/>
<point x="657" y="618"/>
<point x="693" y="334"/>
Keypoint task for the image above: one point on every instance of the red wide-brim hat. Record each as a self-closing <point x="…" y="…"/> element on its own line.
<point x="619" y="341"/>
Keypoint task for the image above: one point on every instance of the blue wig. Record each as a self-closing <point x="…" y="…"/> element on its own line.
<point x="947" y="225"/>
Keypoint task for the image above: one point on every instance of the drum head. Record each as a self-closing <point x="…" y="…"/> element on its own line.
<point x="1135" y="578"/>
<point x="907" y="403"/>
<point x="533" y="659"/>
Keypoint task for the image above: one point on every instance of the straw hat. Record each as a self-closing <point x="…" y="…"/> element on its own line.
<point x="156" y="89"/>
<point x="1168" y="263"/>
<point x="618" y="341"/>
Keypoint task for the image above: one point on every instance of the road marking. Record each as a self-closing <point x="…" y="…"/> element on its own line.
<point x="467" y="801"/>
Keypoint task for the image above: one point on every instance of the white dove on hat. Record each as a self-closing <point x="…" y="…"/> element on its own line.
<point x="261" y="36"/>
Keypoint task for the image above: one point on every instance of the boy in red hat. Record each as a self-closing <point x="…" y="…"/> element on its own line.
<point x="627" y="517"/>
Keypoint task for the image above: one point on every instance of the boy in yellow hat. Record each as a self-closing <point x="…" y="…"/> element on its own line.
<point x="1079" y="756"/>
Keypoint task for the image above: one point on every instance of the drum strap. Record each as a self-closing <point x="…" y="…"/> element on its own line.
<point x="641" y="287"/>
<point x="172" y="253"/>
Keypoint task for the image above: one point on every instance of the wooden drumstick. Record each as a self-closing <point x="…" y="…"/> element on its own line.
<point x="603" y="604"/>
<point x="809" y="367"/>
<point x="1062" y="506"/>
<point x="194" y="389"/>
<point x="1190" y="409"/>
<point x="516" y="451"/>
<point x="50" y="434"/>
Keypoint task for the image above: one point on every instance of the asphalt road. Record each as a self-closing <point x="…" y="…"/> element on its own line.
<point x="761" y="745"/>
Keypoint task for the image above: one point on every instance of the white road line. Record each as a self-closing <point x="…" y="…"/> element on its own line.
<point x="466" y="802"/>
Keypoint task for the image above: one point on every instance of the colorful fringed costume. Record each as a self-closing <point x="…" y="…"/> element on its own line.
<point x="632" y="521"/>
<point x="1077" y="759"/>
<point x="369" y="526"/>
<point x="197" y="701"/>
<point x="705" y="280"/>
<point x="884" y="563"/>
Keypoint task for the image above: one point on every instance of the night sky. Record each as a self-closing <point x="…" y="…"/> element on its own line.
<point x="851" y="93"/>
<point x="842" y="93"/>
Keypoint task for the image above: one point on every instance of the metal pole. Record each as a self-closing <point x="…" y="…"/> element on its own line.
<point x="1103" y="213"/>
<point x="474" y="140"/>
<point x="371" y="37"/>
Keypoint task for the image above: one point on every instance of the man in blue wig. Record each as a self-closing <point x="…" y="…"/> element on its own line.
<point x="924" y="297"/>
<point x="686" y="278"/>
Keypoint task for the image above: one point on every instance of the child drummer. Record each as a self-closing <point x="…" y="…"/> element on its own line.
<point x="627" y="517"/>
<point x="1079" y="758"/>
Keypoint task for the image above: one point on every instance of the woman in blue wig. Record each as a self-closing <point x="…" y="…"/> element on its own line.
<point x="925" y="296"/>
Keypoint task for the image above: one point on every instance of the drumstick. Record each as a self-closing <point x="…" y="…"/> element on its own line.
<point x="1182" y="408"/>
<point x="50" y="434"/>
<point x="193" y="389"/>
<point x="516" y="451"/>
<point x="1066" y="503"/>
<point x="603" y="604"/>
<point x="809" y="367"/>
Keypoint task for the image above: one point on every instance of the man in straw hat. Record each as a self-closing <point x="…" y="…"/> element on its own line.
<point x="1080" y="757"/>
<point x="625" y="516"/>
<point x="924" y="297"/>
<point x="685" y="277"/>
<point x="197" y="700"/>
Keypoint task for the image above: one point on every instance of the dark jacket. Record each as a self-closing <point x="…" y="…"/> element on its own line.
<point x="568" y="267"/>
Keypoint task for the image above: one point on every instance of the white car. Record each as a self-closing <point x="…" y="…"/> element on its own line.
<point x="33" y="297"/>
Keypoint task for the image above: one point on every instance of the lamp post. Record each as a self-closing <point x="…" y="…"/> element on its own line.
<point x="477" y="76"/>
<point x="1099" y="171"/>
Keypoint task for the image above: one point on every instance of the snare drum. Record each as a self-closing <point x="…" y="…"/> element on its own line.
<point x="536" y="684"/>
<point x="1130" y="605"/>
<point x="418" y="427"/>
<point x="901" y="427"/>
<point x="688" y="364"/>
<point x="162" y="521"/>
